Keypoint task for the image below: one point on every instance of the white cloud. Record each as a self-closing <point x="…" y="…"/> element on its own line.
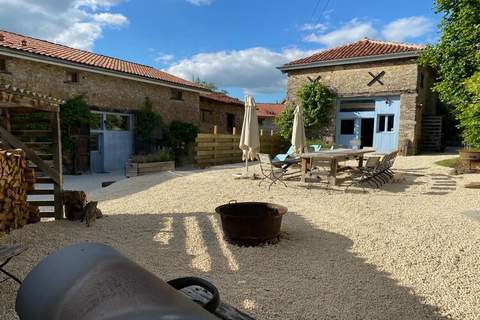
<point x="351" y="31"/>
<point x="76" y="23"/>
<point x="201" y="2"/>
<point x="253" y="70"/>
<point x="407" y="28"/>
<point x="164" y="58"/>
<point x="311" y="27"/>
<point x="397" y="30"/>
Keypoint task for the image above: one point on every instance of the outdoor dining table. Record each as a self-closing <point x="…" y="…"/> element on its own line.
<point x="334" y="156"/>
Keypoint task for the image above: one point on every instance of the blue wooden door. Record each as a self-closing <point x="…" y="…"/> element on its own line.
<point x="387" y="124"/>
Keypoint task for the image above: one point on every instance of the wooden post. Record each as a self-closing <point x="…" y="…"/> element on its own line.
<point x="58" y="165"/>
<point x="234" y="131"/>
<point x="271" y="132"/>
<point x="215" y="129"/>
<point x="261" y="132"/>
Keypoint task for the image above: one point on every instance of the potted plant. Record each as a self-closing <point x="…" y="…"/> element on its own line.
<point x="159" y="161"/>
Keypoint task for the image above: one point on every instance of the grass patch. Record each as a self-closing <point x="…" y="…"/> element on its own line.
<point x="449" y="163"/>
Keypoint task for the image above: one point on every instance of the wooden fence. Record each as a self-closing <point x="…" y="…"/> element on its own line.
<point x="215" y="149"/>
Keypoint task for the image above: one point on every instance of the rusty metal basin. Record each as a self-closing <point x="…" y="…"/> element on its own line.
<point x="251" y="223"/>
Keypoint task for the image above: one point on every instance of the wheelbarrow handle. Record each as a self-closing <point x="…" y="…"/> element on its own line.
<point x="185" y="282"/>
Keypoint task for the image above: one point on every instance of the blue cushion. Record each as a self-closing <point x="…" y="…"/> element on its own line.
<point x="316" y="147"/>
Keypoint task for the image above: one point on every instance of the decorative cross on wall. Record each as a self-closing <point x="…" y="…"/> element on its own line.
<point x="314" y="80"/>
<point x="376" y="78"/>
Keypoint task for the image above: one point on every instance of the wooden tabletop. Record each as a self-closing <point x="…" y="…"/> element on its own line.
<point x="330" y="154"/>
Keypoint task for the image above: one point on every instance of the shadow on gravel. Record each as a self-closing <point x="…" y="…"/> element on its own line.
<point x="310" y="274"/>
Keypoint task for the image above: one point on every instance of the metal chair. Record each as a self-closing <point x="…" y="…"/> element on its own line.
<point x="270" y="172"/>
<point x="7" y="253"/>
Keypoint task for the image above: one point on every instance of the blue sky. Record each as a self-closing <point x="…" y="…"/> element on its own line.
<point x="235" y="44"/>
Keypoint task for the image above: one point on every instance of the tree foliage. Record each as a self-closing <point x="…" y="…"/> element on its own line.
<point x="148" y="121"/>
<point x="317" y="102"/>
<point x="456" y="58"/>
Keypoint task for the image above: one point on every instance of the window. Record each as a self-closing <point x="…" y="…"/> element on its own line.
<point x="230" y="121"/>
<point x="261" y="121"/>
<point x="205" y="115"/>
<point x="116" y="122"/>
<point x="96" y="121"/>
<point x="71" y="77"/>
<point x="357" y="105"/>
<point x="176" y="94"/>
<point x="390" y="122"/>
<point x="3" y="65"/>
<point x="381" y="123"/>
<point x="386" y="123"/>
<point x="422" y="79"/>
<point x="347" y="126"/>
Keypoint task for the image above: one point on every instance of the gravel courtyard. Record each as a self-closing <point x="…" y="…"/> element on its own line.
<point x="408" y="251"/>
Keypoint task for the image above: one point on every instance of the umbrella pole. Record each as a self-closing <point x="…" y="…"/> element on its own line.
<point x="246" y="164"/>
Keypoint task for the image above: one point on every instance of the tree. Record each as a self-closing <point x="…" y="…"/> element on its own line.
<point x="207" y="85"/>
<point x="149" y="121"/>
<point x="455" y="58"/>
<point x="317" y="102"/>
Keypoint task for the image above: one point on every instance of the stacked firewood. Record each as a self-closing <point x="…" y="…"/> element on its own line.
<point x="15" y="181"/>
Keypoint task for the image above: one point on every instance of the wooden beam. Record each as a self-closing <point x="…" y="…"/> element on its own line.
<point x="58" y="165"/>
<point x="31" y="155"/>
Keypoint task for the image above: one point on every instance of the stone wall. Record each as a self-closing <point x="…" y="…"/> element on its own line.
<point x="400" y="79"/>
<point x="102" y="91"/>
<point x="215" y="113"/>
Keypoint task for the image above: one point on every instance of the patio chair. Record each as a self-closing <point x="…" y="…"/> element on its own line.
<point x="270" y="172"/>
<point x="367" y="174"/>
<point x="284" y="156"/>
<point x="7" y="253"/>
<point x="315" y="147"/>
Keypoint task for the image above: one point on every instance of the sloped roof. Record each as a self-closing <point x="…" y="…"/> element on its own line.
<point x="358" y="49"/>
<point x="269" y="110"/>
<point x="220" y="97"/>
<point x="48" y="49"/>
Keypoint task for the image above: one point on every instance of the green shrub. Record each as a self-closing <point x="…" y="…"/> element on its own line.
<point x="317" y="102"/>
<point x="160" y="155"/>
<point x="148" y="121"/>
<point x="74" y="113"/>
<point x="180" y="135"/>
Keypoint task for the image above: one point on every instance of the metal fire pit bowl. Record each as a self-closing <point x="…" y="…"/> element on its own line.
<point x="251" y="223"/>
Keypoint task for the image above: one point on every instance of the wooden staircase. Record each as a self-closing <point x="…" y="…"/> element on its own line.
<point x="39" y="138"/>
<point x="432" y="133"/>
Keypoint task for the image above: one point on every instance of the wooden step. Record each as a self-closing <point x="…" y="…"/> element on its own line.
<point x="41" y="192"/>
<point x="42" y="203"/>
<point x="47" y="214"/>
<point x="44" y="180"/>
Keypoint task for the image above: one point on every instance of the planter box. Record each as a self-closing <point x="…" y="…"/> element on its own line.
<point x="470" y="159"/>
<point x="133" y="169"/>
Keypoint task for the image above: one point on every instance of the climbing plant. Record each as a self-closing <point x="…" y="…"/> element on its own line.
<point x="317" y="101"/>
<point x="180" y="135"/>
<point x="74" y="113"/>
<point x="149" y="121"/>
<point x="455" y="58"/>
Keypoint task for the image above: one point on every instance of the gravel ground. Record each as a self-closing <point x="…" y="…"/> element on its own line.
<point x="408" y="251"/>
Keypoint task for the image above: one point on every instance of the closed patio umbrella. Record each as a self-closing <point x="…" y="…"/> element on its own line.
<point x="298" y="134"/>
<point x="250" y="139"/>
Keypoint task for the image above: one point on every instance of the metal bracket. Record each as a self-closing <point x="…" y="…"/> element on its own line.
<point x="376" y="78"/>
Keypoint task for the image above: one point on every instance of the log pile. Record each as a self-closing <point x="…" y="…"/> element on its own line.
<point x="15" y="181"/>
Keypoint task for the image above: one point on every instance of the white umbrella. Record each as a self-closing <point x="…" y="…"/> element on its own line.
<point x="298" y="133"/>
<point x="249" y="140"/>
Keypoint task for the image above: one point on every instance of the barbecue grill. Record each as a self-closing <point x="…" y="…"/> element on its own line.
<point x="92" y="281"/>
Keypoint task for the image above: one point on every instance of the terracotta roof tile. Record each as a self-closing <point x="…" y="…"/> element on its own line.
<point x="269" y="110"/>
<point x="220" y="97"/>
<point x="362" y="48"/>
<point x="61" y="52"/>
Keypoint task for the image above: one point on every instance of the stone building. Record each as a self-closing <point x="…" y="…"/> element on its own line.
<point x="382" y="94"/>
<point x="113" y="88"/>
<point x="266" y="113"/>
<point x="221" y="110"/>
